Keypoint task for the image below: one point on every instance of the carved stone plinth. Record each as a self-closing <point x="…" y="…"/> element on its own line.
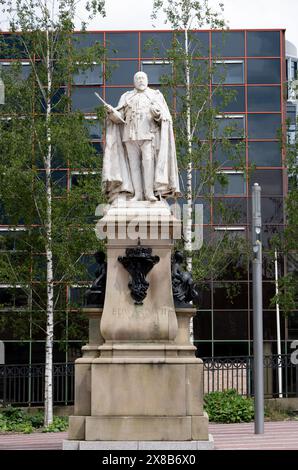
<point x="144" y="383"/>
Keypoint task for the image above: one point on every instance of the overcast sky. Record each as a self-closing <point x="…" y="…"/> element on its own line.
<point x="135" y="14"/>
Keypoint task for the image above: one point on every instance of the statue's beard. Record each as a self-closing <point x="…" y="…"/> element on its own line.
<point x="141" y="87"/>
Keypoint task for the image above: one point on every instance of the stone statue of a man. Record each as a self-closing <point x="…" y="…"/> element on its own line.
<point x="140" y="157"/>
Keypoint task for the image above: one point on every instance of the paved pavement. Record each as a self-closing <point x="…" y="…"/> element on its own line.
<point x="281" y="435"/>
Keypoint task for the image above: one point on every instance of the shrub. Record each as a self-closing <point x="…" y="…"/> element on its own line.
<point x="17" y="420"/>
<point x="228" y="407"/>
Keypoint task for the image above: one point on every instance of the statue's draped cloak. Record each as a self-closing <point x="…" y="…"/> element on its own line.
<point x="116" y="177"/>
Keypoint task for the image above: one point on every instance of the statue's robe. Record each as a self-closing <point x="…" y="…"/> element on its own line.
<point x="116" y="177"/>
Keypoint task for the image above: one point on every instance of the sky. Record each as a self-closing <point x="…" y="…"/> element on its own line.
<point x="135" y="14"/>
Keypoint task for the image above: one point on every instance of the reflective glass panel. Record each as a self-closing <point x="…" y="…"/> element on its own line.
<point x="202" y="325"/>
<point x="230" y="127"/>
<point x="122" y="72"/>
<point x="229" y="210"/>
<point x="229" y="99"/>
<point x="272" y="210"/>
<point x="24" y="72"/>
<point x="156" y="71"/>
<point x="94" y="128"/>
<point x="81" y="40"/>
<point x="264" y="153"/>
<point x="269" y="180"/>
<point x="263" y="98"/>
<point x="122" y="45"/>
<point x="263" y="126"/>
<point x="155" y="44"/>
<point x="263" y="71"/>
<point x="228" y="44"/>
<point x="263" y="43"/>
<point x="230" y="153"/>
<point x="84" y="98"/>
<point x="198" y="43"/>
<point x="237" y="321"/>
<point x="92" y="76"/>
<point x="228" y="73"/>
<point x="235" y="184"/>
<point x="12" y="47"/>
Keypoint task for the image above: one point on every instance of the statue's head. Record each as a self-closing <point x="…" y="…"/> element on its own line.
<point x="140" y="80"/>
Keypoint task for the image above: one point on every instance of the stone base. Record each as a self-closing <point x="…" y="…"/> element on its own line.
<point x="139" y="445"/>
<point x="135" y="428"/>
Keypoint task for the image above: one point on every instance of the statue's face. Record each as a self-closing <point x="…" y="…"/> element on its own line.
<point x="141" y="81"/>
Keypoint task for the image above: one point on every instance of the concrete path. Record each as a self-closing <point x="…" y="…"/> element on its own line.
<point x="281" y="435"/>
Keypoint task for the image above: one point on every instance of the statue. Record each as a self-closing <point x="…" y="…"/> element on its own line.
<point x="95" y="296"/>
<point x="140" y="157"/>
<point x="184" y="289"/>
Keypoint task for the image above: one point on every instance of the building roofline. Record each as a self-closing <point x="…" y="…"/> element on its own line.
<point x="162" y="30"/>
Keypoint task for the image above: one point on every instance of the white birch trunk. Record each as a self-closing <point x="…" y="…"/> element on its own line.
<point x="188" y="231"/>
<point x="48" y="415"/>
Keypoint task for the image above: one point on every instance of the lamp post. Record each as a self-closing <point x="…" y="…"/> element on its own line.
<point x="258" y="310"/>
<point x="2" y="88"/>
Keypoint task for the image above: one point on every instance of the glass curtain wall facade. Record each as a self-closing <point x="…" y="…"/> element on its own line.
<point x="254" y="61"/>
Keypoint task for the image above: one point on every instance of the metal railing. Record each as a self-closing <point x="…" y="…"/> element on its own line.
<point x="23" y="385"/>
<point x="221" y="373"/>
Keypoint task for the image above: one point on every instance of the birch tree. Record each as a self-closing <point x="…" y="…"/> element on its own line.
<point x="37" y="126"/>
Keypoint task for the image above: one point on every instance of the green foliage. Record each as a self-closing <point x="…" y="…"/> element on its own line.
<point x="228" y="407"/>
<point x="18" y="420"/>
<point x="60" y="423"/>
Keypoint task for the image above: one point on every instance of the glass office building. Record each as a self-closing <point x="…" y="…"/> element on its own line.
<point x="255" y="66"/>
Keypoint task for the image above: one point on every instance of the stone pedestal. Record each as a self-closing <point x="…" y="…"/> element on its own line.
<point x="143" y="383"/>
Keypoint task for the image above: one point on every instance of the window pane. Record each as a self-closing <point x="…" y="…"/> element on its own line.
<point x="235" y="184"/>
<point x="155" y="44"/>
<point x="23" y="72"/>
<point x="11" y="47"/>
<point x="17" y="353"/>
<point x="269" y="180"/>
<point x="202" y="325"/>
<point x="263" y="43"/>
<point x="233" y="211"/>
<point x="229" y="99"/>
<point x="94" y="128"/>
<point x="263" y="71"/>
<point x="92" y="76"/>
<point x="263" y="98"/>
<point x="81" y="40"/>
<point x="272" y="210"/>
<point x="198" y="43"/>
<point x="228" y="73"/>
<point x="228" y="44"/>
<point x="264" y="153"/>
<point x="263" y="126"/>
<point x="230" y="153"/>
<point x="238" y="325"/>
<point x="156" y="71"/>
<point x="84" y="98"/>
<point x="230" y="126"/>
<point x="122" y="45"/>
<point x="113" y="94"/>
<point x="122" y="72"/>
